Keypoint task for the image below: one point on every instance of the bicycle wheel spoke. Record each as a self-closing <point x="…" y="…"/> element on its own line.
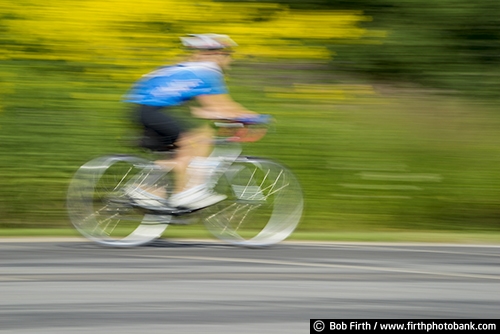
<point x="248" y="183"/>
<point x="273" y="191"/>
<point x="266" y="203"/>
<point x="234" y="213"/>
<point x="107" y="222"/>
<point x="246" y="215"/>
<point x="118" y="185"/>
<point x="98" y="207"/>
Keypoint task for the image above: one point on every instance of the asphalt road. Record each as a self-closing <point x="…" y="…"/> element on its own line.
<point x="74" y="286"/>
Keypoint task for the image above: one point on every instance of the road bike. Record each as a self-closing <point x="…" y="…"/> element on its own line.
<point x="264" y="202"/>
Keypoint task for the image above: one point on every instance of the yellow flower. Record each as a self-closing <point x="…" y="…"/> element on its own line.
<point x="120" y="38"/>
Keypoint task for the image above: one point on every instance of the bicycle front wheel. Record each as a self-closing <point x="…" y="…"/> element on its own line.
<point x="263" y="207"/>
<point x="99" y="209"/>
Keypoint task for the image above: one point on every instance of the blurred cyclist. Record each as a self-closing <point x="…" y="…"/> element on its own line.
<point x="198" y="85"/>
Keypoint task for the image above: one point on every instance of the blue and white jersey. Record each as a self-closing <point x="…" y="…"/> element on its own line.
<point x="174" y="85"/>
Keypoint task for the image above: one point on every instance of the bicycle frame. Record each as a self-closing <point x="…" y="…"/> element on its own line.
<point x="263" y="202"/>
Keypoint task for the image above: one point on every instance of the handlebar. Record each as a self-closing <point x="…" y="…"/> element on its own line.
<point x="247" y="119"/>
<point x="247" y="128"/>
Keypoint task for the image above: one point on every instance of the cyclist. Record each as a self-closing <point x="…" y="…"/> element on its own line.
<point x="159" y="99"/>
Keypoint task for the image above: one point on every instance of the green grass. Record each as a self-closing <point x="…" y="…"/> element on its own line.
<point x="370" y="158"/>
<point x="199" y="233"/>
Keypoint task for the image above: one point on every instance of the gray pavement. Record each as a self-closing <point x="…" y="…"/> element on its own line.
<point x="74" y="286"/>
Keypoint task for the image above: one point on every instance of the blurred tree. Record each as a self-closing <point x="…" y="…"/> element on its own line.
<point x="452" y="44"/>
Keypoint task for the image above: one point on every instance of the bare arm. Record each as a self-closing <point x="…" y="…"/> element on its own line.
<point x="219" y="106"/>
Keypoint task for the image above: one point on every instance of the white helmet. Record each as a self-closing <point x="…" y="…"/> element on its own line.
<point x="208" y="41"/>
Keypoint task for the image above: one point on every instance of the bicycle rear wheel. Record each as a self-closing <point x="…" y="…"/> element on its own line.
<point x="100" y="211"/>
<point x="263" y="207"/>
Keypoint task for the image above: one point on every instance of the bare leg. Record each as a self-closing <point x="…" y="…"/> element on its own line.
<point x="191" y="174"/>
<point x="191" y="144"/>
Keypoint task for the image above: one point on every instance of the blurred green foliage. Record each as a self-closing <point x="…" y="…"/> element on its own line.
<point x="373" y="150"/>
<point x="446" y="44"/>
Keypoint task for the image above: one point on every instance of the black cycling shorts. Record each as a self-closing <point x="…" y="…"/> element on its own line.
<point x="161" y="130"/>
